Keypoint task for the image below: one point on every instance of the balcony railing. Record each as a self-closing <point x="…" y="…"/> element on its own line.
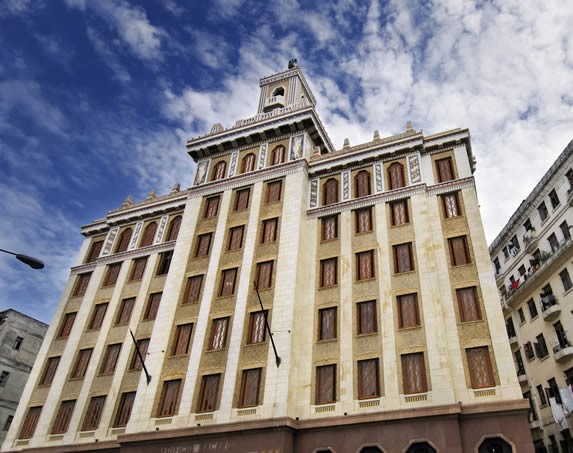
<point x="550" y="307"/>
<point x="562" y="351"/>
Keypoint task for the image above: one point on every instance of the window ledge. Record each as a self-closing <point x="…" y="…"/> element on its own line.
<point x="369" y="334"/>
<point x="400" y="225"/>
<point x="534" y="318"/>
<point x="541" y="359"/>
<point x="330" y="340"/>
<point x="370" y="279"/>
<point x="473" y="321"/>
<point x="567" y="291"/>
<point x="401" y="329"/>
<point x="322" y="288"/>
<point x="404" y="273"/>
<point x="363" y="233"/>
<point x="326" y="241"/>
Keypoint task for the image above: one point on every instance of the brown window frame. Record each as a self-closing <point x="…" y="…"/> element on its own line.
<point x="451" y="210"/>
<point x="399" y="266"/>
<point x="365" y="268"/>
<point x="329" y="228"/>
<point x="330" y="192"/>
<point x="81" y="363"/>
<point x="50" y="369"/>
<point x="124" y="408"/>
<point x="456" y="258"/>
<point x="257" y="327"/>
<point x="93" y="413"/>
<point x="111" y="275"/>
<point x="152" y="308"/>
<point x="363" y="220"/>
<point x="325" y="280"/>
<point x="211" y="207"/>
<point x="399" y="214"/>
<point x="468" y="304"/>
<point x="94" y="252"/>
<point x="325" y="391"/>
<point x="366" y="317"/>
<point x="219" y="330"/>
<point x="476" y="380"/>
<point x="219" y="171"/>
<point x="278" y="155"/>
<point x="125" y="310"/>
<point x="408" y="311"/>
<point x="193" y="289"/>
<point x="242" y="199"/>
<point x="203" y="247"/>
<point x="225" y="283"/>
<point x="182" y="339"/>
<point x="270" y="227"/>
<point x="165" y="259"/>
<point x="174" y="227"/>
<point x="274" y="191"/>
<point x="81" y="284"/>
<point x="169" y="399"/>
<point x="135" y="363"/>
<point x="124" y="240"/>
<point x="396" y="176"/>
<point x="110" y="359"/>
<point x="138" y="269"/>
<point x="236" y="238"/>
<point x="327" y="323"/>
<point x="30" y="422"/>
<point x="362" y="185"/>
<point x="445" y="169"/>
<point x="67" y="325"/>
<point x="264" y="275"/>
<point x="62" y="419"/>
<point x="248" y="163"/>
<point x="98" y="315"/>
<point x="209" y="393"/>
<point x="149" y="233"/>
<point x="368" y="370"/>
<point x="409" y="385"/>
<point x="250" y="387"/>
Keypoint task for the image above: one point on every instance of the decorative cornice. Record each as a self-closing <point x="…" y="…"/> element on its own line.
<point x="450" y="186"/>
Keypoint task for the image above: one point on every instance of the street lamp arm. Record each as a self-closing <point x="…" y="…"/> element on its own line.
<point x="34" y="263"/>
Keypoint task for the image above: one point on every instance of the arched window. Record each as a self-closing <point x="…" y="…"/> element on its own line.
<point x="124" y="239"/>
<point x="495" y="445"/>
<point x="396" y="175"/>
<point x="174" y="228"/>
<point x="280" y="91"/>
<point x="148" y="234"/>
<point x="362" y="181"/>
<point x="371" y="450"/>
<point x="421" y="447"/>
<point x="330" y="192"/>
<point x="219" y="171"/>
<point x="248" y="163"/>
<point x="278" y="155"/>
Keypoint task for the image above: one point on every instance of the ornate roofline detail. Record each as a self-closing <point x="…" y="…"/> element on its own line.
<point x="286" y="75"/>
<point x="450" y="186"/>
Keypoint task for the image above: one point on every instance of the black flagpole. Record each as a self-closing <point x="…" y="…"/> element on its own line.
<point x="277" y="358"/>
<point x="147" y="375"/>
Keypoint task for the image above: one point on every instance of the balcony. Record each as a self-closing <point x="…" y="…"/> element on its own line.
<point x="531" y="240"/>
<point x="563" y="349"/>
<point x="513" y="340"/>
<point x="274" y="102"/>
<point x="550" y="308"/>
<point x="522" y="377"/>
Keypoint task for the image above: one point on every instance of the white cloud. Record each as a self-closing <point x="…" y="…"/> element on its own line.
<point x="108" y="56"/>
<point x="211" y="49"/>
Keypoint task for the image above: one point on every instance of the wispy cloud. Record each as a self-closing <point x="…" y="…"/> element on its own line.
<point x="108" y="56"/>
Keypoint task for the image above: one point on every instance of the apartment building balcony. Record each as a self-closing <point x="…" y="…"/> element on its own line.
<point x="535" y="424"/>
<point x="521" y="376"/>
<point x="563" y="350"/>
<point x="531" y="241"/>
<point x="513" y="341"/>
<point x="550" y="308"/>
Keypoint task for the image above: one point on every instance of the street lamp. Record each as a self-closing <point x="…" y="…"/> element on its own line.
<point x="34" y="263"/>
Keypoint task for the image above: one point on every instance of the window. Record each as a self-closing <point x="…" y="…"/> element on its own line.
<point x="30" y="422"/>
<point x="137" y="269"/>
<point x="363" y="220"/>
<point x="540" y="346"/>
<point x="329" y="228"/>
<point x="81" y="285"/>
<point x="124" y="409"/>
<point x="497" y="265"/>
<point x="396" y="176"/>
<point x="81" y="365"/>
<point x="521" y="315"/>
<point x="211" y="207"/>
<point x="562" y="339"/>
<point x="264" y="275"/>
<point x="269" y="230"/>
<point x="565" y="279"/>
<point x="148" y="234"/>
<point x="248" y="163"/>
<point x="327" y="324"/>
<point x="250" y="384"/>
<point x="553" y="242"/>
<point x="565" y="230"/>
<point x="362" y="182"/>
<point x="424" y="447"/>
<point x="532" y="308"/>
<point x="203" y="244"/>
<point x="325" y="384"/>
<point x="49" y="371"/>
<point x="235" y="238"/>
<point x="182" y="339"/>
<point x="228" y="282"/>
<point x="124" y="239"/>
<point x="135" y="363"/>
<point x="278" y="155"/>
<point x="459" y="253"/>
<point x="368" y="379"/>
<point x="554" y="199"/>
<point x="328" y="272"/>
<point x="399" y="212"/>
<point x="95" y="250"/>
<point x="18" y="343"/>
<point x="479" y="364"/>
<point x="408" y="314"/>
<point x="218" y="334"/>
<point x="93" y="413"/>
<point x="219" y="171"/>
<point x="257" y="327"/>
<point x="468" y="304"/>
<point x="169" y="397"/>
<point x="541" y="393"/>
<point x="125" y="309"/>
<point x="8" y="422"/>
<point x="164" y="262"/>
<point x="366" y="314"/>
<point x="553" y="391"/>
<point x="208" y="393"/>
<point x="242" y="199"/>
<point x="403" y="261"/>
<point x="451" y="205"/>
<point x="110" y="359"/>
<point x="97" y="317"/>
<point x="365" y="265"/>
<point x="543" y="213"/>
<point x="4" y="378"/>
<point x="522" y="270"/>
<point x="111" y="274"/>
<point x="152" y="306"/>
<point x="528" y="347"/>
<point x="173" y="231"/>
<point x="274" y="191"/>
<point x="444" y="169"/>
<point x="414" y="373"/>
<point x="330" y="192"/>
<point x="67" y="325"/>
<point x="193" y="289"/>
<point x="63" y="417"/>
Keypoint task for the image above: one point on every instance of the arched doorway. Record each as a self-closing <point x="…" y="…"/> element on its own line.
<point x="421" y="447"/>
<point x="495" y="445"/>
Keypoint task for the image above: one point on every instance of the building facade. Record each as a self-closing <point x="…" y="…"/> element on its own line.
<point x="369" y="264"/>
<point x="20" y="340"/>
<point x="532" y="257"/>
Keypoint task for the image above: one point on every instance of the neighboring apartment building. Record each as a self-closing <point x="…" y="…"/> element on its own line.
<point x="374" y="277"/>
<point x="533" y="261"/>
<point x="20" y="340"/>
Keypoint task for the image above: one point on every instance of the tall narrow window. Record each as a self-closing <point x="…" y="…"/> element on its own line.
<point x="330" y="195"/>
<point x="368" y="379"/>
<point x="135" y="363"/>
<point x="124" y="239"/>
<point x="414" y="373"/>
<point x="565" y="230"/>
<point x="532" y="308"/>
<point x="111" y="274"/>
<point x="327" y="324"/>
<point x="8" y="423"/>
<point x="81" y="285"/>
<point x="228" y="282"/>
<point x="242" y="199"/>
<point x="248" y="163"/>
<point x="30" y="422"/>
<point x="193" y="289"/>
<point x="182" y="339"/>
<point x="541" y="346"/>
<point x="468" y="304"/>
<point x="95" y="250"/>
<point x="164" y="262"/>
<point x="250" y="384"/>
<point x="49" y="371"/>
<point x="479" y="365"/>
<point x="362" y="182"/>
<point x="203" y="244"/>
<point x="110" y="359"/>
<point x="93" y="413"/>
<point x="366" y="317"/>
<point x="63" y="417"/>
<point x="553" y="242"/>
<point x="565" y="279"/>
<point x="152" y="306"/>
<point x="124" y="409"/>
<point x="274" y="191"/>
<point x="81" y="365"/>
<point x="399" y="212"/>
<point x="18" y="343"/>
<point x="137" y="269"/>
<point x="278" y="155"/>
<point x="208" y="393"/>
<point x="269" y="230"/>
<point x="451" y="205"/>
<point x="173" y="231"/>
<point x="235" y="238"/>
<point x="169" y="397"/>
<point x="328" y="272"/>
<point x="396" y="176"/>
<point x="408" y="313"/>
<point x="256" y="327"/>
<point x="459" y="252"/>
<point x="403" y="261"/>
<point x="148" y="234"/>
<point x="219" y="334"/>
<point x="67" y="325"/>
<point x="365" y="265"/>
<point x="211" y="207"/>
<point x="325" y="384"/>
<point x="125" y="309"/>
<point x="363" y="220"/>
<point x="554" y="199"/>
<point x="97" y="316"/>
<point x="329" y="228"/>
<point x="542" y="397"/>
<point x="264" y="275"/>
<point x="543" y="212"/>
<point x="219" y="171"/>
<point x="444" y="169"/>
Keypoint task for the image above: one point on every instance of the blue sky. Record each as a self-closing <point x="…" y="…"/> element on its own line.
<point x="97" y="99"/>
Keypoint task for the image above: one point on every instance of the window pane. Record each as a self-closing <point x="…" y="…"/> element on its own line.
<point x="67" y="325"/>
<point x="396" y="175"/>
<point x="269" y="230"/>
<point x="362" y="184"/>
<point x="363" y="220"/>
<point x="148" y="234"/>
<point x="174" y="228"/>
<point x="451" y="208"/>
<point x="331" y="192"/>
<point x="81" y="364"/>
<point x="50" y="371"/>
<point x="93" y="413"/>
<point x="414" y="373"/>
<point x="219" y="333"/>
<point x="399" y="212"/>
<point x="111" y="274"/>
<point x="328" y="272"/>
<point x="325" y="384"/>
<point x="138" y="268"/>
<point x="98" y="316"/>
<point x="164" y="262"/>
<point x="264" y="275"/>
<point x="135" y="363"/>
<point x="124" y="409"/>
<point x="257" y="327"/>
<point x="235" y="238"/>
<point x="203" y="245"/>
<point x="193" y="289"/>
<point x="274" y="191"/>
<point x="94" y="251"/>
<point x="124" y="239"/>
<point x="125" y="310"/>
<point x="368" y="385"/>
<point x="408" y="311"/>
<point x="63" y="417"/>
<point x="208" y="394"/>
<point x="242" y="201"/>
<point x="329" y="228"/>
<point x="327" y="323"/>
<point x="30" y="422"/>
<point x="367" y="322"/>
<point x="250" y="388"/>
<point x="468" y="304"/>
<point x="81" y="285"/>
<point x="182" y="339"/>
<point x="228" y="282"/>
<point x="480" y="367"/>
<point x="459" y="251"/>
<point x="445" y="170"/>
<point x="169" y="396"/>
<point x="403" y="258"/>
<point x="110" y="359"/>
<point x="212" y="207"/>
<point x="364" y="265"/>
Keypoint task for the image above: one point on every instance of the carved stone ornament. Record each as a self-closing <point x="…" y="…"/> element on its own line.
<point x="346" y="185"/>
<point x="109" y="240"/>
<point x="151" y="195"/>
<point x="262" y="155"/>
<point x="379" y="178"/>
<point x="135" y="237"/>
<point x="217" y="127"/>
<point x="201" y="175"/>
<point x="296" y="147"/>
<point x="176" y="188"/>
<point x="314" y="193"/>
<point x="161" y="229"/>
<point x="414" y="164"/>
<point x="127" y="202"/>
<point x="233" y="166"/>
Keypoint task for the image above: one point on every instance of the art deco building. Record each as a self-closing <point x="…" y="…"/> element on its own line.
<point x="374" y="277"/>
<point x="533" y="261"/>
